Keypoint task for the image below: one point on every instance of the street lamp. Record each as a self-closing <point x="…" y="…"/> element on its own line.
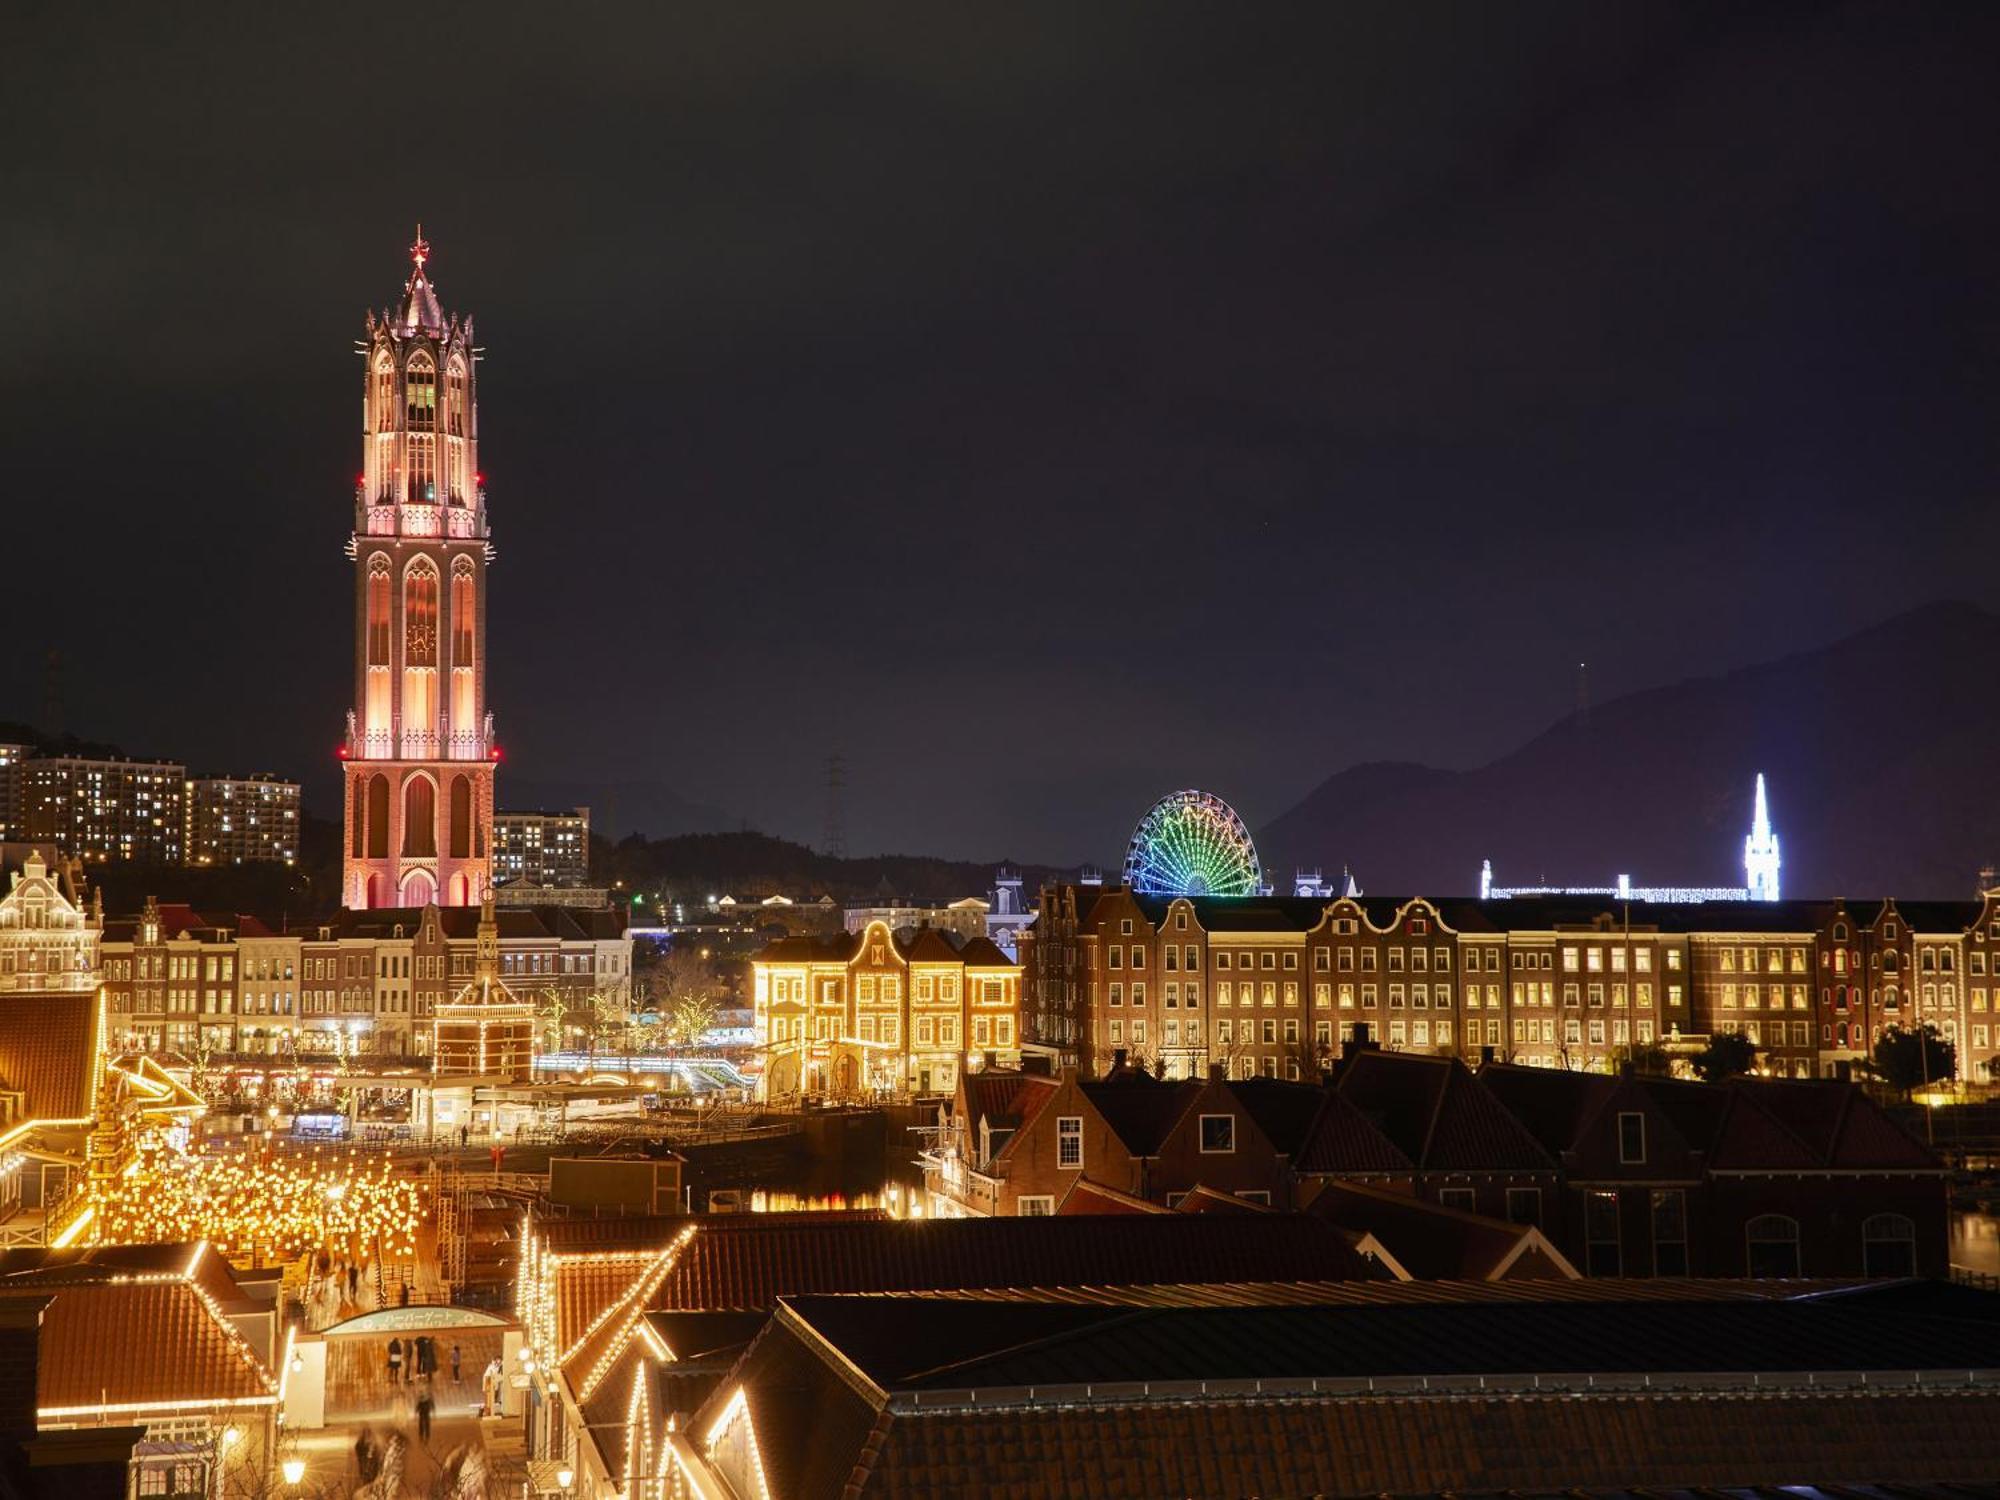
<point x="565" y="1477"/>
<point x="294" y="1470"/>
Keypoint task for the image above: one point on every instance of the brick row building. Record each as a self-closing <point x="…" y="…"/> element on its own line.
<point x="1627" y="1175"/>
<point x="1271" y="986"/>
<point x="180" y="980"/>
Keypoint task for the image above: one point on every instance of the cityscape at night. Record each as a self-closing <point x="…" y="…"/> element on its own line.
<point x="1150" y="752"/>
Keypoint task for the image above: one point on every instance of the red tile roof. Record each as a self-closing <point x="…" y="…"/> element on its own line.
<point x="94" y="1332"/>
<point x="1087" y="1197"/>
<point x="48" y="1052"/>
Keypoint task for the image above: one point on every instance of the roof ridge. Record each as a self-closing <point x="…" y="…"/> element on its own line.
<point x="1093" y="1328"/>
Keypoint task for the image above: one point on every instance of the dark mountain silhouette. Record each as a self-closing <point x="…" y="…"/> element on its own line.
<point x="1880" y="753"/>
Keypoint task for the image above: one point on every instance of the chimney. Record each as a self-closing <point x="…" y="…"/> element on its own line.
<point x="1117" y="1059"/>
<point x="1843" y="1070"/>
<point x="1486" y="1055"/>
<point x="1217" y="1072"/>
<point x="1361" y="1040"/>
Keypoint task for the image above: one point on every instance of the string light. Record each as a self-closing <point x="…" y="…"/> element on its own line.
<point x="281" y="1209"/>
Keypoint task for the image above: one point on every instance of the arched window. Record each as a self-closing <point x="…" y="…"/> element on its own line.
<point x="420" y="648"/>
<point x="419" y="818"/>
<point x="1772" y="1245"/>
<point x="417" y="889"/>
<point x="461" y="817"/>
<point x="383" y="417"/>
<point x="1888" y="1245"/>
<point x="378" y="817"/>
<point x="455" y="409"/>
<point x="464" y="637"/>
<point x="378" y="611"/>
<point x="420" y="394"/>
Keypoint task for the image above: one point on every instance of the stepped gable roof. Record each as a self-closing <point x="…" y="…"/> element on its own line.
<point x="48" y="1053"/>
<point x="1087" y="1197"/>
<point x="1438" y="1114"/>
<point x="1435" y="1243"/>
<point x="1283" y="1110"/>
<point x="1139" y="1109"/>
<point x="1342" y="1139"/>
<point x="749" y="1261"/>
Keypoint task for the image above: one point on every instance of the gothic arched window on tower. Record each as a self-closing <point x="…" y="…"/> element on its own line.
<point x="420" y="395"/>
<point x="384" y="414"/>
<point x="420" y="647"/>
<point x="455" y="422"/>
<point x="419" y="818"/>
<point x="461" y="817"/>
<point x="378" y="816"/>
<point x="422" y="469"/>
<point x="464" y="626"/>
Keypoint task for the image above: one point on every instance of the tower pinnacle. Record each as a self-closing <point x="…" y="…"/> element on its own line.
<point x="1760" y="851"/>
<point x="420" y="248"/>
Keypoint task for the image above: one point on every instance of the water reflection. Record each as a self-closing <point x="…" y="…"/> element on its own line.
<point x="1975" y="1242"/>
<point x="893" y="1198"/>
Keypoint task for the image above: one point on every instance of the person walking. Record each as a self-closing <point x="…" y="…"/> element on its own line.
<point x="454" y="1364"/>
<point x="353" y="1281"/>
<point x="395" y="1361"/>
<point x="424" y="1405"/>
<point x="367" y="1458"/>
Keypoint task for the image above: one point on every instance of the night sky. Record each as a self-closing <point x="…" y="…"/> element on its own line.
<point x="1044" y="410"/>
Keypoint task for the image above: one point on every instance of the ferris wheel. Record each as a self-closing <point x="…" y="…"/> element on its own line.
<point x="1192" y="844"/>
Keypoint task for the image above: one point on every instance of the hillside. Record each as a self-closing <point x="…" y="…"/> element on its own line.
<point x="1880" y="752"/>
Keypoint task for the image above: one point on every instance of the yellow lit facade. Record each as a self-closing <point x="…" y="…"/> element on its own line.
<point x="875" y="1011"/>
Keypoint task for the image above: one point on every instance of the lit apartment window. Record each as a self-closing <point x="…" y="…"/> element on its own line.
<point x="1069" y="1142"/>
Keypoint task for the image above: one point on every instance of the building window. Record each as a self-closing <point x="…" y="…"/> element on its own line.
<point x="1669" y="1215"/>
<point x="1069" y="1142"/>
<point x="1888" y="1245"/>
<point x="1218" y="1134"/>
<point x="1600" y="1233"/>
<point x="1458" y="1197"/>
<point x="1037" y="1207"/>
<point x="1772" y="1245"/>
<point x="1631" y="1138"/>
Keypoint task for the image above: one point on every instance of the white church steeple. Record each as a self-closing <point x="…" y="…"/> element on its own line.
<point x="1760" y="851"/>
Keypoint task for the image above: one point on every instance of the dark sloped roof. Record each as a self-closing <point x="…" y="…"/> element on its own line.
<point x="1438" y="1114"/>
<point x="749" y="1261"/>
<point x="1140" y="1110"/>
<point x="1342" y="1139"/>
<point x="1427" y="1240"/>
<point x="1283" y="1110"/>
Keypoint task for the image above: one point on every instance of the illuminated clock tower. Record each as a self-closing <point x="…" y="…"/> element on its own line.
<point x="419" y="757"/>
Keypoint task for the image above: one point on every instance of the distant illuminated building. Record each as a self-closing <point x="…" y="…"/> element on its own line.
<point x="106" y="810"/>
<point x="1760" y="851"/>
<point x="237" y="820"/>
<point x="1760" y="867"/>
<point x="1192" y="843"/>
<point x="542" y="848"/>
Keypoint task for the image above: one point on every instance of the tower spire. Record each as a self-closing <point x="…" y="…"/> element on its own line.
<point x="420" y="248"/>
<point x="1761" y="861"/>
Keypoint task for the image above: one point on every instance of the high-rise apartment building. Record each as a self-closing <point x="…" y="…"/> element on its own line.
<point x="542" y="848"/>
<point x="239" y="820"/>
<point x="99" y="810"/>
<point x="11" y="758"/>
<point x="419" y="750"/>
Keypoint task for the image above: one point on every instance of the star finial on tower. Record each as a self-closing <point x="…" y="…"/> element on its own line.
<point x="420" y="248"/>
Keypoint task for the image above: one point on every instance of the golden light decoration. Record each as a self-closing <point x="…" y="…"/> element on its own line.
<point x="277" y="1208"/>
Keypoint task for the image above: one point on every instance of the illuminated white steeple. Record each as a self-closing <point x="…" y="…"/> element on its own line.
<point x="1760" y="851"/>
